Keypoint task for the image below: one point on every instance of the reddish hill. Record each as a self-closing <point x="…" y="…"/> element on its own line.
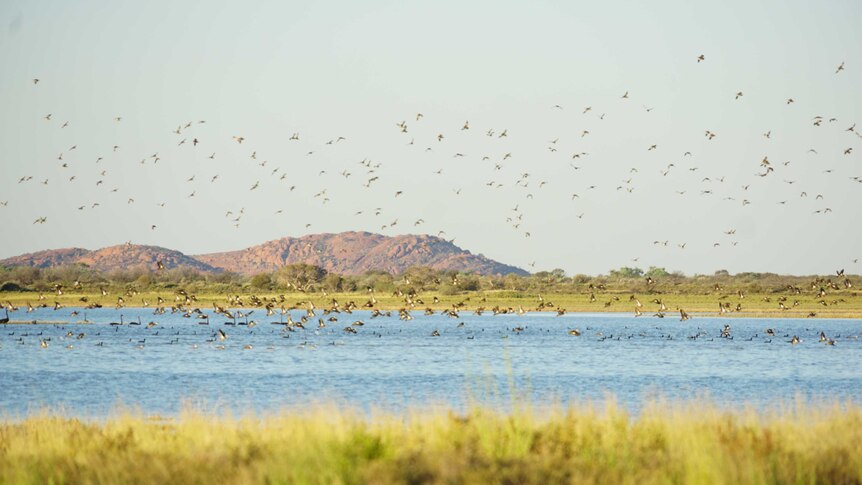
<point x="48" y="258"/>
<point x="131" y="255"/>
<point x="123" y="256"/>
<point x="356" y="253"/>
<point x="343" y="253"/>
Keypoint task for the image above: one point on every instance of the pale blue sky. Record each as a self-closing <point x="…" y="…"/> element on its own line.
<point x="355" y="69"/>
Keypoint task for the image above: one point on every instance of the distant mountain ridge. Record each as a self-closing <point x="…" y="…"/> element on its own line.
<point x="123" y="256"/>
<point x="346" y="253"/>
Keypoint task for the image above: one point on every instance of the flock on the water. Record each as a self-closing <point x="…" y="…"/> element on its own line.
<point x="327" y="326"/>
<point x="243" y="311"/>
<point x="306" y="330"/>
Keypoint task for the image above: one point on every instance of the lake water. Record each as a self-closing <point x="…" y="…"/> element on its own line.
<point x="392" y="364"/>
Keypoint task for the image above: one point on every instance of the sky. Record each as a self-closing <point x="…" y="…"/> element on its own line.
<point x="566" y="187"/>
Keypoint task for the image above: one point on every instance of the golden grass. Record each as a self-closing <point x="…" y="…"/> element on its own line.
<point x="683" y="443"/>
<point x="842" y="305"/>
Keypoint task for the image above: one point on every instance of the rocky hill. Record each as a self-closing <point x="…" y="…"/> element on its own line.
<point x="131" y="255"/>
<point x="123" y="256"/>
<point x="46" y="259"/>
<point x="343" y="253"/>
<point x="357" y="253"/>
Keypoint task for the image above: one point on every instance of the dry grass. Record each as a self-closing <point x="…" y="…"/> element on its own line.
<point x="692" y="443"/>
<point x="845" y="305"/>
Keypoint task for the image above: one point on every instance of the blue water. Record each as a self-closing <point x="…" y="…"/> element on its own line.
<point x="391" y="364"/>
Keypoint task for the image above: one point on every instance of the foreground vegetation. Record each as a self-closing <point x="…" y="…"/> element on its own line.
<point x="294" y="286"/>
<point x="694" y="443"/>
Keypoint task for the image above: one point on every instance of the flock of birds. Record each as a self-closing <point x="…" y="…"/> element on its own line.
<point x="153" y="334"/>
<point x="328" y="318"/>
<point x="237" y="311"/>
<point x="324" y="326"/>
<point x="503" y="171"/>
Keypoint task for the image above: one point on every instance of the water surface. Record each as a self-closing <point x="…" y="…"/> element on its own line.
<point x="392" y="364"/>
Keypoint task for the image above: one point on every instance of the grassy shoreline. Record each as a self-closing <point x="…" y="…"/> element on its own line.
<point x="680" y="443"/>
<point x="765" y="305"/>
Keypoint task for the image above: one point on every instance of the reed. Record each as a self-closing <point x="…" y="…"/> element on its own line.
<point x="693" y="442"/>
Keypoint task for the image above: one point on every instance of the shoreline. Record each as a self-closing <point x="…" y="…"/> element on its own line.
<point x="572" y="314"/>
<point x="762" y="305"/>
<point x="693" y="305"/>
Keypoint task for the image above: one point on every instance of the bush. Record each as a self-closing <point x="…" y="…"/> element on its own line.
<point x="333" y="282"/>
<point x="626" y="272"/>
<point x="261" y="281"/>
<point x="12" y="286"/>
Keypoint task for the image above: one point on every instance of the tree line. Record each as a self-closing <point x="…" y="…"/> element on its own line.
<point x="309" y="278"/>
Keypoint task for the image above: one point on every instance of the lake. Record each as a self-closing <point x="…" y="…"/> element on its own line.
<point x="391" y="364"/>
